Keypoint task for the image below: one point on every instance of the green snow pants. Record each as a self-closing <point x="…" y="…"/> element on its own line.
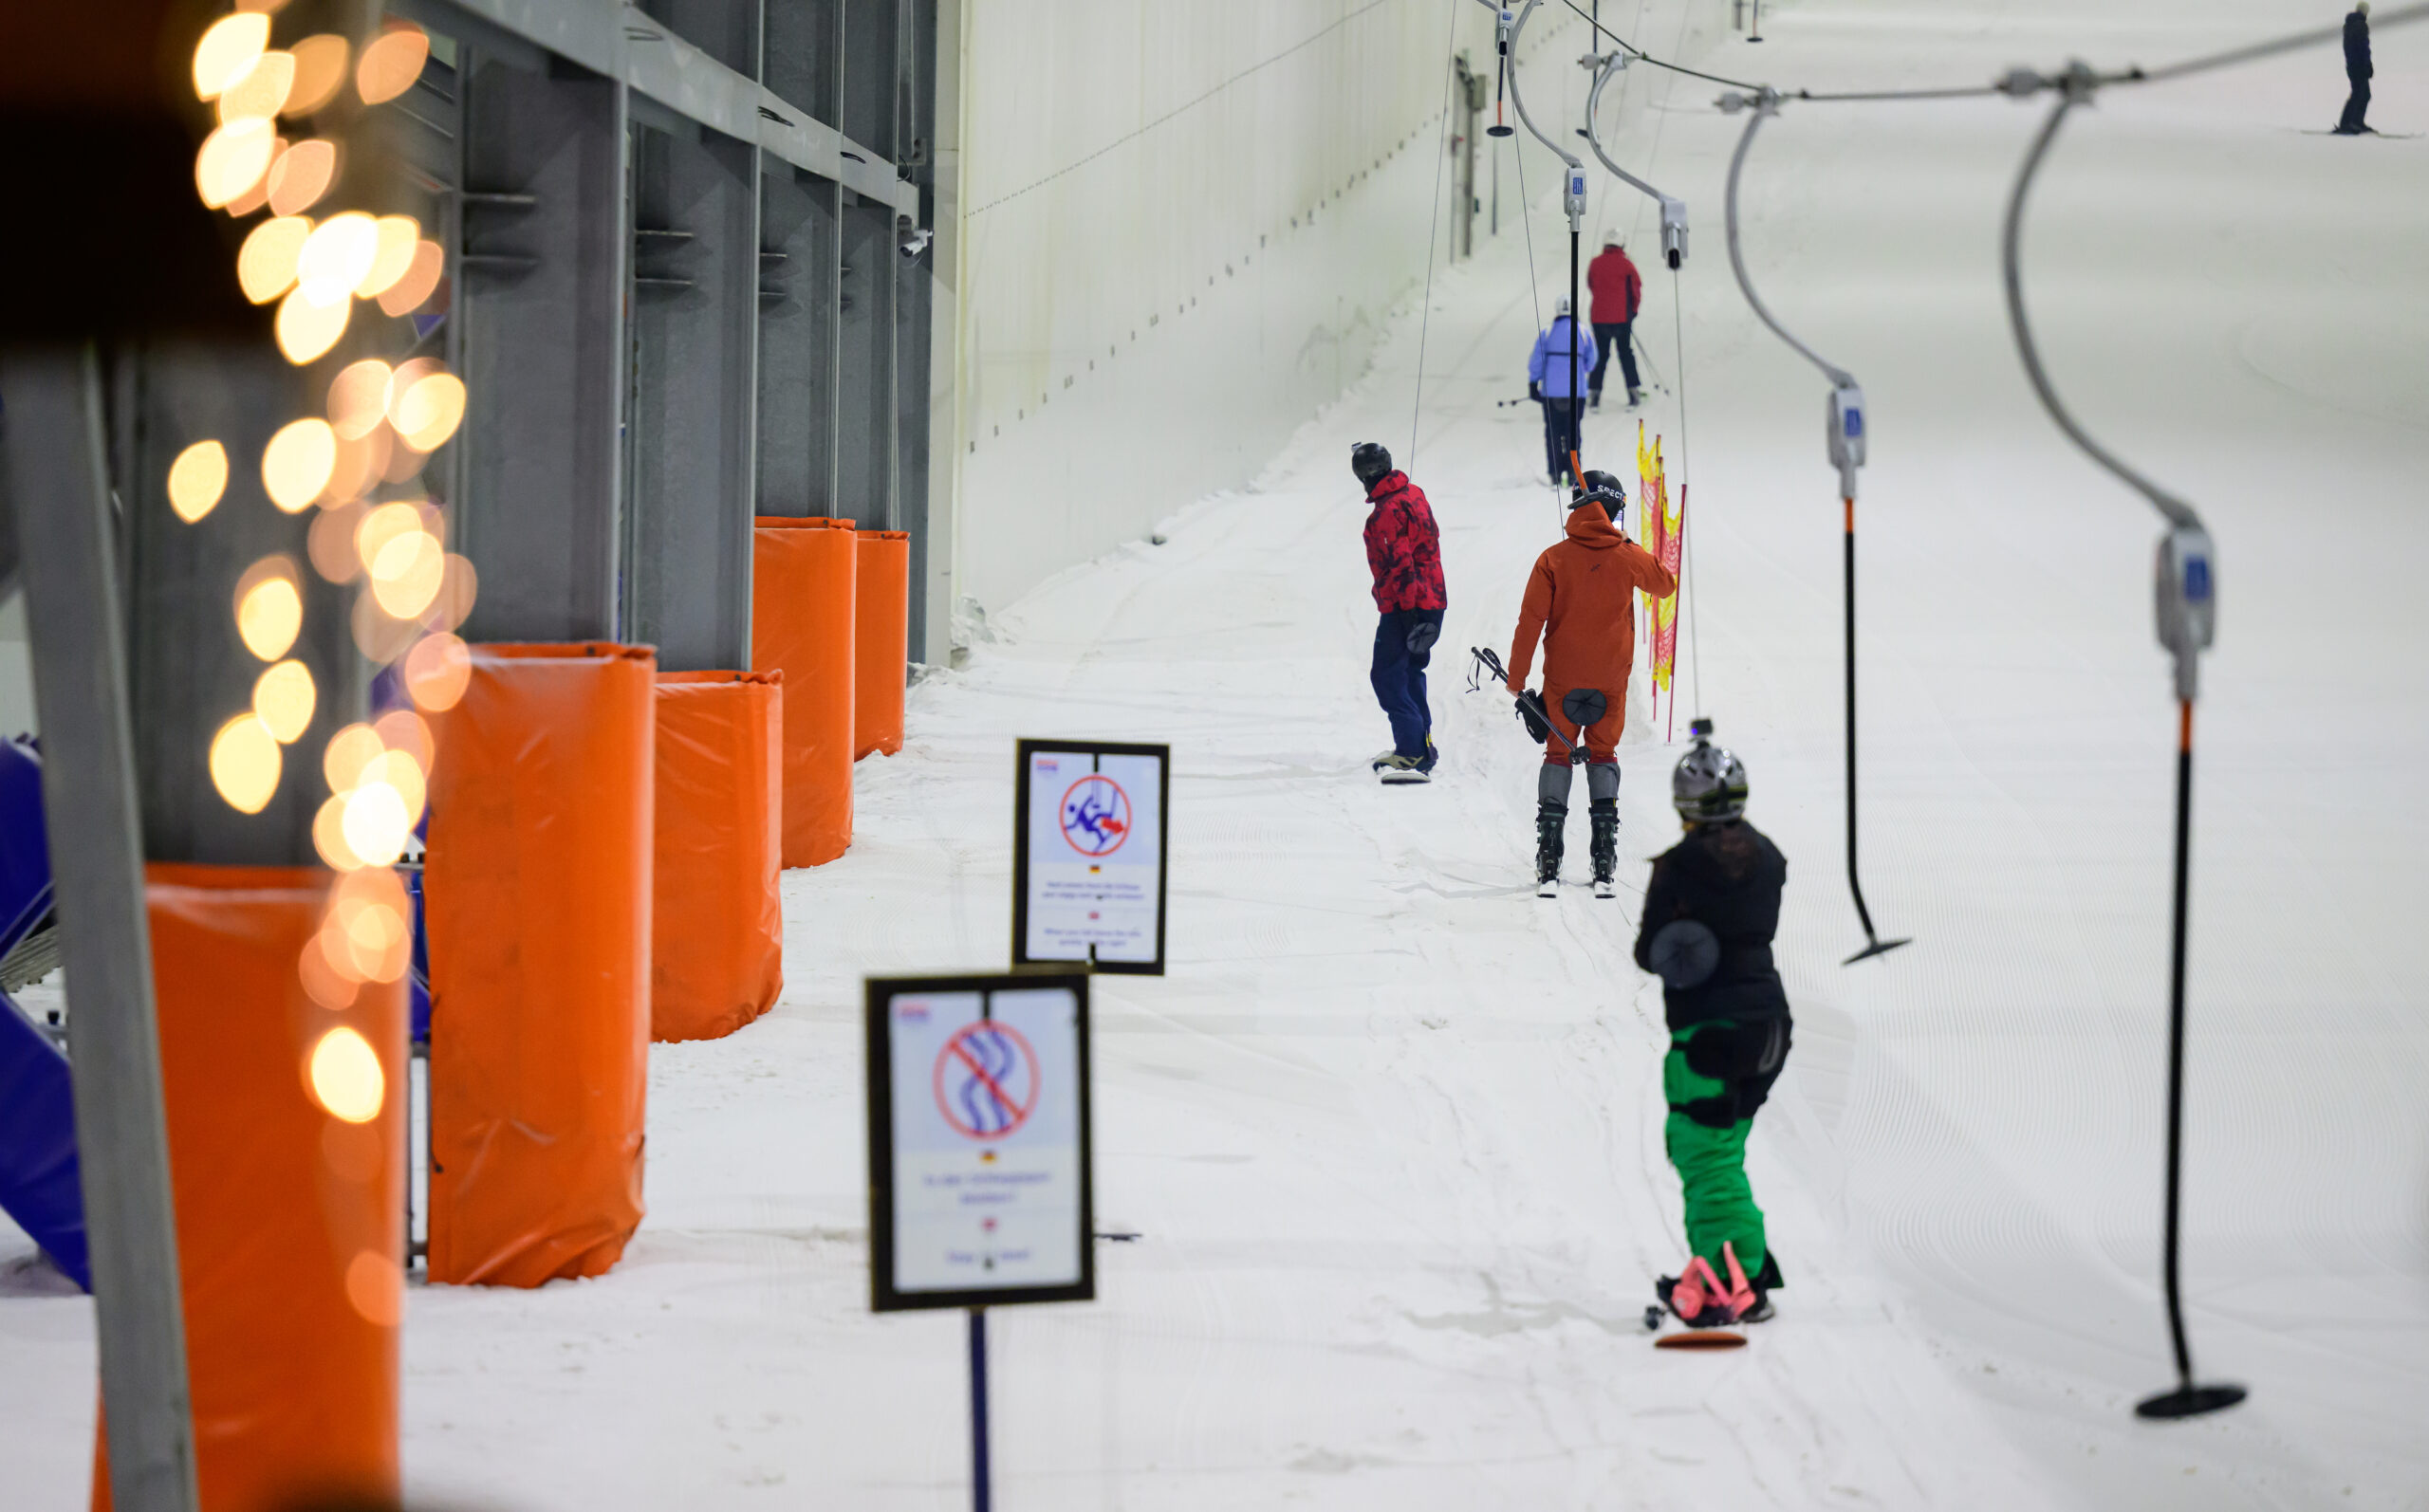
<point x="1716" y="1075"/>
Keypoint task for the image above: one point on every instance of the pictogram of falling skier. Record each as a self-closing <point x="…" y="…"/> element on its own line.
<point x="1096" y="816"/>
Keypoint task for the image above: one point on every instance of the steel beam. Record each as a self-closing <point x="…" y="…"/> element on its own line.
<point x="915" y="317"/>
<point x="695" y="312"/>
<point x="800" y="319"/>
<point x="52" y="468"/>
<point x="188" y="671"/>
<point x="543" y="269"/>
<point x="866" y="413"/>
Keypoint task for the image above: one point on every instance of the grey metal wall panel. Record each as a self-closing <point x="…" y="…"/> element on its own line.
<point x="798" y="335"/>
<point x="804" y="49"/>
<point x="540" y="298"/>
<point x="873" y="48"/>
<point x="188" y="670"/>
<point x="695" y="312"/>
<point x="727" y="31"/>
<point x="864" y="427"/>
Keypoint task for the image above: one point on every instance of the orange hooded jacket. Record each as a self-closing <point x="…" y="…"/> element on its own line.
<point x="1577" y="600"/>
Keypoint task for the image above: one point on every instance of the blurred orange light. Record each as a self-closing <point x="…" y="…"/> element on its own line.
<point x="227" y="52"/>
<point x="391" y="64"/>
<point x="378" y="635"/>
<point x="321" y="982"/>
<point x="245" y="764"/>
<point x="405" y="731"/>
<point x="301" y="176"/>
<point x="357" y="398"/>
<point x="349" y="752"/>
<point x="345" y="1076"/>
<point x="297" y="462"/>
<point x="398" y="771"/>
<point x="305" y="330"/>
<point x="232" y="159"/>
<point x="337" y="255"/>
<point x="419" y="282"/>
<point x="263" y="90"/>
<point x="376" y="1286"/>
<point x="438" y="671"/>
<point x="320" y="73"/>
<point x="269" y="607"/>
<point x="400" y="237"/>
<point x="265" y="263"/>
<point x="284" y="697"/>
<point x="377" y="825"/>
<point x="328" y="837"/>
<point x="427" y="414"/>
<point x="406" y="574"/>
<point x="456" y="591"/>
<point x="197" y="479"/>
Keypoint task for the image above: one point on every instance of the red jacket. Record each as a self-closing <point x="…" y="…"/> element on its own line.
<point x="1404" y="549"/>
<point x="1618" y="293"/>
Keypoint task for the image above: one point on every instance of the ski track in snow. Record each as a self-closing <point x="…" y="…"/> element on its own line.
<point x="1391" y="1129"/>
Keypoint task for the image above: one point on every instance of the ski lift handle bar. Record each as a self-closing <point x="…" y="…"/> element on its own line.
<point x="2074" y="89"/>
<point x="1673" y="211"/>
<point x="1765" y="103"/>
<point x="1519" y="99"/>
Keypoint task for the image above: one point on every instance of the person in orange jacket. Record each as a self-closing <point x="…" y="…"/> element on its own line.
<point x="1577" y="601"/>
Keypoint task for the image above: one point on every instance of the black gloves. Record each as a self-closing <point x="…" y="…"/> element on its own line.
<point x="1536" y="391"/>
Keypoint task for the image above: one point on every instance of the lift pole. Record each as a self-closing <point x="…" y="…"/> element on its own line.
<point x="1574" y="201"/>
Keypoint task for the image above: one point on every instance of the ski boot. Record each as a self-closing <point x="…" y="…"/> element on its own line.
<point x="1701" y="1299"/>
<point x="1396" y="769"/>
<point x="1605" y="812"/>
<point x="1635" y="399"/>
<point x="1551" y="820"/>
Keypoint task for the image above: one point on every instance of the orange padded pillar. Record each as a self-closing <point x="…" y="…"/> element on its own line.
<point x="286" y="1145"/>
<point x="882" y="641"/>
<point x="805" y="574"/>
<point x="717" y="960"/>
<point x="537" y="906"/>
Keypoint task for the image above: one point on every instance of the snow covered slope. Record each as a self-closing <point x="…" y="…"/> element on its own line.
<point x="1390" y="1131"/>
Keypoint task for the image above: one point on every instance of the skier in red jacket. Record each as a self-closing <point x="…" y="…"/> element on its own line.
<point x="1404" y="552"/>
<point x="1617" y="294"/>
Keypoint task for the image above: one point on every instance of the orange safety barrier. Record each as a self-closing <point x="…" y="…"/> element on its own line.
<point x="717" y="955"/>
<point x="286" y="1150"/>
<point x="881" y="642"/>
<point x="537" y="906"/>
<point x="805" y="574"/>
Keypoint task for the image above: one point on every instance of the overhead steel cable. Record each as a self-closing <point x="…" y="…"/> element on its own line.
<point x="1425" y="314"/>
<point x="2022" y="81"/>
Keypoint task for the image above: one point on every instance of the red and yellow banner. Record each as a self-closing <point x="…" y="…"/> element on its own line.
<point x="1664" y="536"/>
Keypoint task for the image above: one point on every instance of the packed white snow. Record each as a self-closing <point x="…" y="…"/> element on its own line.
<point x="1389" y="1132"/>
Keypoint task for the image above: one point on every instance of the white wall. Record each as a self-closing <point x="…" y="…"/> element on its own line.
<point x="1183" y="222"/>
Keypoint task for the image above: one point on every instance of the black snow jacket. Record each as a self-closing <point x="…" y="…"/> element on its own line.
<point x="2357" y="46"/>
<point x="1728" y="877"/>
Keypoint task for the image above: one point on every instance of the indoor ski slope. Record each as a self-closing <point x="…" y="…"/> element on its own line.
<point x="1390" y="1131"/>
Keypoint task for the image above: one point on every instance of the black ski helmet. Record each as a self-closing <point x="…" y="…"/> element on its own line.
<point x="1709" y="781"/>
<point x="1603" y="489"/>
<point x="1370" y="462"/>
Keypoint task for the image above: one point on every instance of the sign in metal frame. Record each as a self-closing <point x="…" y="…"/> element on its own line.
<point x="1078" y="823"/>
<point x="981" y="1156"/>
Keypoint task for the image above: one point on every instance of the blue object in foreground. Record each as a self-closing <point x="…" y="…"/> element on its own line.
<point x="38" y="1176"/>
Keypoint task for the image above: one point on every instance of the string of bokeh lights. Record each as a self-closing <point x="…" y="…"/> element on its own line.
<point x="357" y="466"/>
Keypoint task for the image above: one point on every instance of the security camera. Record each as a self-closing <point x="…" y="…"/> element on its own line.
<point x="911" y="242"/>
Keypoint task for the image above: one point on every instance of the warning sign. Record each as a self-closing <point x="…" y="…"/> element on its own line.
<point x="978" y="1141"/>
<point x="1089" y="853"/>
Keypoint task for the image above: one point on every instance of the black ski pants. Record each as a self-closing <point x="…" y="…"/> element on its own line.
<point x="1403" y="647"/>
<point x="2357" y="105"/>
<point x="1606" y="333"/>
<point x="1559" y="437"/>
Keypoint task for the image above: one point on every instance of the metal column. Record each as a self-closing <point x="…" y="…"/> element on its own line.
<point x="542" y="303"/>
<point x="800" y="316"/>
<point x="914" y="319"/>
<point x="52" y="471"/>
<point x="695" y="313"/>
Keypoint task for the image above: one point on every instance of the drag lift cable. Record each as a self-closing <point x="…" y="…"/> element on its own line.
<point x="1673" y="251"/>
<point x="1846" y="449"/>
<point x="2187" y="618"/>
<point x="1574" y="201"/>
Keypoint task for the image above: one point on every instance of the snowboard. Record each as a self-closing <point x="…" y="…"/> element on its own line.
<point x="1701" y="1338"/>
<point x="2384" y="135"/>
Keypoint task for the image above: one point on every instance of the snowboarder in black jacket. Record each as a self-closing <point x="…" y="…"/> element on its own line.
<point x="1710" y="913"/>
<point x="2357" y="71"/>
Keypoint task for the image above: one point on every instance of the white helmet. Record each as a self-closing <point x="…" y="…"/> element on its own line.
<point x="1709" y="781"/>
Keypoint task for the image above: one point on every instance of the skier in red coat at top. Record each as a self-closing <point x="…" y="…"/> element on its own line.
<point x="1404" y="553"/>
<point x="1617" y="294"/>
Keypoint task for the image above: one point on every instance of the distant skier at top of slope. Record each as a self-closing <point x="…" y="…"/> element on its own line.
<point x="1710" y="912"/>
<point x="1578" y="602"/>
<point x="2358" y="71"/>
<point x="1549" y="382"/>
<point x="1404" y="553"/>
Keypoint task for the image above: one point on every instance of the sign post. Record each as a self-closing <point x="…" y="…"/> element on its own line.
<point x="981" y="1187"/>
<point x="1090" y="824"/>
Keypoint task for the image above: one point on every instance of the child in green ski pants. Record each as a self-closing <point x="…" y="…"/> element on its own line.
<point x="1710" y="913"/>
